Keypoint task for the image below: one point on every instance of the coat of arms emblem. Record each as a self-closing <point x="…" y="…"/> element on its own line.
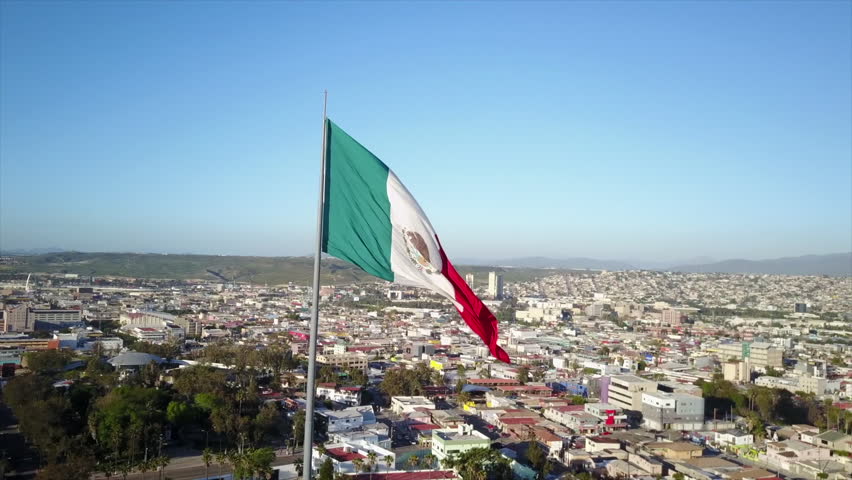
<point x="418" y="251"/>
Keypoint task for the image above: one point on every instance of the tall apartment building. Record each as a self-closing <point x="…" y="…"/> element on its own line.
<point x="737" y="372"/>
<point x="469" y="278"/>
<point x="495" y="285"/>
<point x="671" y="316"/>
<point x="16" y="318"/>
<point x="672" y="411"/>
<point x="626" y="391"/>
<point x="191" y="325"/>
<point x="759" y="354"/>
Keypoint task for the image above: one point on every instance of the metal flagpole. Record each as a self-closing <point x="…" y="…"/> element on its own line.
<point x="312" y="348"/>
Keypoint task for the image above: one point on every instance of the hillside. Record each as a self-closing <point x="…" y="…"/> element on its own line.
<point x="260" y="270"/>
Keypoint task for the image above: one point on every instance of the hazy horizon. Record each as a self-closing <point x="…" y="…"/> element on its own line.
<point x="653" y="132"/>
<point x="696" y="259"/>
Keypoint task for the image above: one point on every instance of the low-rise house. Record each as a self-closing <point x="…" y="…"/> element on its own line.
<point x="675" y="450"/>
<point x="351" y="418"/>
<point x="601" y="443"/>
<point x="450" y="442"/>
<point x="785" y="454"/>
<point x="834" y="440"/>
<point x="727" y="438"/>
<point x="340" y="394"/>
<point x="343" y="455"/>
<point x="407" y="404"/>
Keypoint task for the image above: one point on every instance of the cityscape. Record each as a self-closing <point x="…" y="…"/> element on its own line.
<point x="614" y="373"/>
<point x="558" y="240"/>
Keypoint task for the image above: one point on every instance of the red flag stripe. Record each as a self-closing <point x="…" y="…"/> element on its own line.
<point x="474" y="312"/>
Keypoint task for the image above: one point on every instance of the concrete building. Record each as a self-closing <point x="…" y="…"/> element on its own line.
<point x="351" y="418"/>
<point x="53" y="319"/>
<point x="807" y="384"/>
<point x="672" y="411"/>
<point x="402" y="404"/>
<point x="625" y="391"/>
<point x="345" y="360"/>
<point x="340" y="394"/>
<point x="15" y="318"/>
<point x="675" y="450"/>
<point x="469" y="278"/>
<point x="495" y="285"/>
<point x="453" y="441"/>
<point x="759" y="354"/>
<point x="343" y="456"/>
<point x="737" y="372"/>
<point x="671" y="317"/>
<point x="145" y="319"/>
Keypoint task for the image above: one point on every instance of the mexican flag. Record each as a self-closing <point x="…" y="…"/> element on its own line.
<point x="371" y="220"/>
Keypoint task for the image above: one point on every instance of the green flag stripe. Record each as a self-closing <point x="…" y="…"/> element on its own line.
<point x="356" y="217"/>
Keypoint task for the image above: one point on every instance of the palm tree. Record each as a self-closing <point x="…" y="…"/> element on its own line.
<point x="372" y="459"/>
<point x="413" y="461"/>
<point x="388" y="462"/>
<point x="207" y="456"/>
<point x="359" y="465"/>
<point x="300" y="466"/>
<point x="429" y="460"/>
<point x="222" y="458"/>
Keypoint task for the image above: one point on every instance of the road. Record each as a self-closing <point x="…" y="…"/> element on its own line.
<point x="192" y="467"/>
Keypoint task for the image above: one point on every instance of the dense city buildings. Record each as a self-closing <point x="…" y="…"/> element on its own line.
<point x="634" y="374"/>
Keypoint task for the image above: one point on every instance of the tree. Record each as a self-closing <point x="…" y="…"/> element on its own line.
<point x="48" y="361"/>
<point x="523" y="374"/>
<point x="207" y="456"/>
<point x="480" y="464"/>
<point x="260" y="461"/>
<point x="464" y="398"/>
<point x="372" y="460"/>
<point x="413" y="461"/>
<point x="326" y="471"/>
<point x="536" y="456"/>
<point x="75" y="466"/>
<point x="429" y="461"/>
<point x="388" y="461"/>
<point x="641" y="366"/>
<point x="299" y="464"/>
<point x="299" y="427"/>
<point x="679" y="476"/>
<point x="359" y="465"/>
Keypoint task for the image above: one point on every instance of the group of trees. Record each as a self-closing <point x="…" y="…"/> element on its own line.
<point x="480" y="464"/>
<point x="763" y="406"/>
<point x="401" y="381"/>
<point x="103" y="421"/>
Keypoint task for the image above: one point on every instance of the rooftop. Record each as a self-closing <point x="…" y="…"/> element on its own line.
<point x="341" y="455"/>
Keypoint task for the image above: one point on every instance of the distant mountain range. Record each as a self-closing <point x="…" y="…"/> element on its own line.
<point x="299" y="269"/>
<point x="836" y="264"/>
<point x="580" y="263"/>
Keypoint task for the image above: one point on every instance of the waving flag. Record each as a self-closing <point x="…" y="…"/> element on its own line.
<point x="371" y="220"/>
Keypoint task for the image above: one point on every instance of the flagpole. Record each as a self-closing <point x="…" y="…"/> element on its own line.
<point x="312" y="346"/>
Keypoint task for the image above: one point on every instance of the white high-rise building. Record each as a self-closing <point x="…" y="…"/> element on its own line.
<point x="495" y="285"/>
<point x="469" y="279"/>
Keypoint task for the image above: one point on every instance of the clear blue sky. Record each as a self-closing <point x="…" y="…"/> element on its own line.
<point x="637" y="130"/>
